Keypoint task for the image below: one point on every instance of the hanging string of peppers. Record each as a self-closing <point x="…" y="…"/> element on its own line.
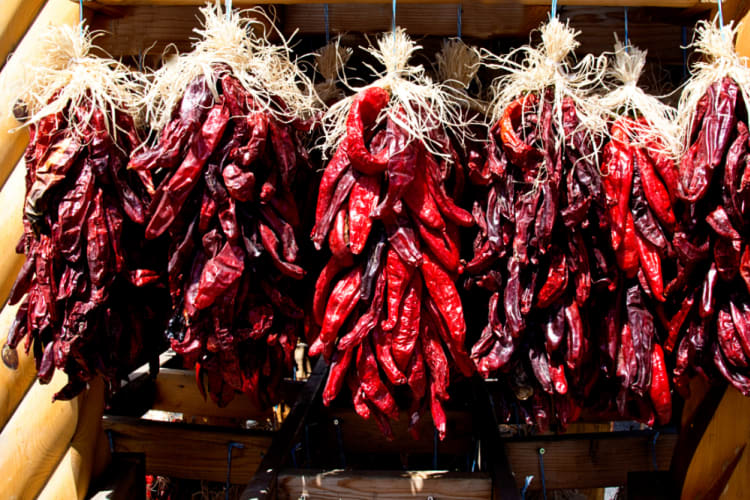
<point x="386" y="302"/>
<point x="88" y="304"/>
<point x="230" y="161"/>
<point x="711" y="316"/>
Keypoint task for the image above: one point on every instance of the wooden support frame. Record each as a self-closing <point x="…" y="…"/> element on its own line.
<point x="336" y="484"/>
<point x="263" y="484"/>
<point x="683" y="4"/>
<point x="187" y="450"/>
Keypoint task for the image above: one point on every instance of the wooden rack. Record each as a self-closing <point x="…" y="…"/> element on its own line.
<point x="265" y="463"/>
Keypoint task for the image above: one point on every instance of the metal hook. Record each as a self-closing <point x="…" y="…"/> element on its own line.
<point x="230" y="447"/>
<point x="80" y="15"/>
<point x="553" y="10"/>
<point x="542" y="451"/>
<point x="228" y="8"/>
<point x="627" y="37"/>
<point x="393" y="19"/>
<point x="340" y="439"/>
<point x="459" y="20"/>
<point x="327" y="22"/>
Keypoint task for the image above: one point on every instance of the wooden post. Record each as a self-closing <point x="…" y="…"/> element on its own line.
<point x="13" y="383"/>
<point x="35" y="439"/>
<point x="15" y="18"/>
<point x="55" y="12"/>
<point x="11" y="229"/>
<point x="263" y="484"/>
<point x="71" y="478"/>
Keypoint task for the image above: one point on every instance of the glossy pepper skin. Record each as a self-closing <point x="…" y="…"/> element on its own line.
<point x="225" y="200"/>
<point x="387" y="215"/>
<point x="90" y="301"/>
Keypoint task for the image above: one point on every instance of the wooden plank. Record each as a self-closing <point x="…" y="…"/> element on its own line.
<point x="263" y="484"/>
<point x="55" y="12"/>
<point x="35" y="439"/>
<point x="125" y="479"/>
<point x="360" y="436"/>
<point x="385" y="485"/>
<point x="494" y="452"/>
<point x="588" y="460"/>
<point x="692" y="430"/>
<point x="147" y="29"/>
<point x="189" y="451"/>
<point x="70" y="480"/>
<point x="11" y="228"/>
<point x="14" y="383"/>
<point x="177" y="391"/>
<point x="725" y="434"/>
<point x="249" y="3"/>
<point x="15" y="18"/>
<point x="477" y="21"/>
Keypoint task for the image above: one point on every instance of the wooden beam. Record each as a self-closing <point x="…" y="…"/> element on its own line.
<point x="55" y="12"/>
<point x="263" y="484"/>
<point x="494" y="452"/>
<point x="147" y="29"/>
<point x="189" y="451"/>
<point x="680" y="4"/>
<point x="177" y="391"/>
<point x="35" y="438"/>
<point x="588" y="460"/>
<point x="360" y="436"/>
<point x="15" y="18"/>
<point x="14" y="383"/>
<point x="11" y="228"/>
<point x="70" y="480"/>
<point x="386" y="485"/>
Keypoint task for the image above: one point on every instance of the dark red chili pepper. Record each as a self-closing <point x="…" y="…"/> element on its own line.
<point x="651" y="266"/>
<point x="362" y="200"/>
<point x="406" y="333"/>
<point x="443" y="292"/>
<point x="659" y="389"/>
<point x="398" y="277"/>
<point x="344" y="298"/>
<point x="364" y="110"/>
<point x="171" y="195"/>
<point x="729" y="340"/>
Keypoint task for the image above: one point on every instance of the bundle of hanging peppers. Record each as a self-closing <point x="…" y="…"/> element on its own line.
<point x="639" y="179"/>
<point x="713" y="252"/>
<point x="88" y="304"/>
<point x="226" y="172"/>
<point x="539" y="253"/>
<point x="386" y="305"/>
<point x="230" y="164"/>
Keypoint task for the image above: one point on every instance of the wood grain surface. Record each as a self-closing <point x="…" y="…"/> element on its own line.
<point x="177" y="391"/>
<point x="385" y="485"/>
<point x="35" y="439"/>
<point x="70" y="480"/>
<point x="13" y="383"/>
<point x="188" y="451"/>
<point x="11" y="229"/>
<point x="12" y="144"/>
<point x="15" y="18"/>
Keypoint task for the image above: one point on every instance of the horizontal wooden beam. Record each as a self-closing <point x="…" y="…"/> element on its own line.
<point x="386" y="485"/>
<point x="589" y="460"/>
<point x="681" y="4"/>
<point x="177" y="391"/>
<point x="360" y="436"/>
<point x="189" y="451"/>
